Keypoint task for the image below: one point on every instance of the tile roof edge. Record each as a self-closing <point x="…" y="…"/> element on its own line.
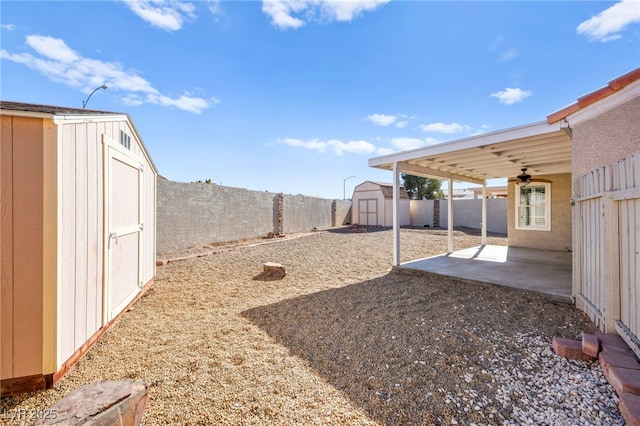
<point x="597" y="95"/>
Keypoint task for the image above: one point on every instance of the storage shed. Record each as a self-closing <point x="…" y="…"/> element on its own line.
<point x="372" y="204"/>
<point x="77" y="235"/>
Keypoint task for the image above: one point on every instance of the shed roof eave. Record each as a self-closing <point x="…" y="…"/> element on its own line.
<point x="528" y="130"/>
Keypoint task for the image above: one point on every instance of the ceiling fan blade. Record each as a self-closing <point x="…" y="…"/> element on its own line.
<point x="540" y="180"/>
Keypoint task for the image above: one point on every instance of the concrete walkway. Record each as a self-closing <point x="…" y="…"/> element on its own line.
<point x="542" y="271"/>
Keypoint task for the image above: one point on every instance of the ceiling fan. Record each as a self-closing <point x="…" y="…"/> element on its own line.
<point x="525" y="178"/>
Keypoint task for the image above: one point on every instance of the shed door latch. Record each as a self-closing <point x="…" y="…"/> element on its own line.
<point x="112" y="235"/>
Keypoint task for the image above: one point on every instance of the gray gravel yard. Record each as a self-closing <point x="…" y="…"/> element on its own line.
<point x="342" y="340"/>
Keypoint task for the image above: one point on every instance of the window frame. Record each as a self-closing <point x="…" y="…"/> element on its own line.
<point x="547" y="201"/>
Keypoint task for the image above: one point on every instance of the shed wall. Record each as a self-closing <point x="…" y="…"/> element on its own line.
<point x="559" y="237"/>
<point x="21" y="239"/>
<point x="81" y="233"/>
<point x="368" y="191"/>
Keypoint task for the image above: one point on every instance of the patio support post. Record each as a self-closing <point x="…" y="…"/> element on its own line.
<point x="483" y="226"/>
<point x="450" y="216"/>
<point x="396" y="214"/>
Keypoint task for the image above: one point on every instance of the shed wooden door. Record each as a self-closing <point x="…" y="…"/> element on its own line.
<point x="368" y="212"/>
<point x="124" y="192"/>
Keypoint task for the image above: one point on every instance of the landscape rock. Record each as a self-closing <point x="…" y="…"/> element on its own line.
<point x="120" y="402"/>
<point x="273" y="271"/>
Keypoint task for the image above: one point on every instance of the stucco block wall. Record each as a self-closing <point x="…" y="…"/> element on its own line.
<point x="303" y="213"/>
<point x="559" y="237"/>
<point x="466" y="213"/>
<point x="469" y="213"/>
<point x="421" y="213"/>
<point x="197" y="213"/>
<point x="342" y="212"/>
<point x="190" y="214"/>
<point x="607" y="138"/>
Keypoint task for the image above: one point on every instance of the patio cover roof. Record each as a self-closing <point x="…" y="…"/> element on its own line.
<point x="541" y="147"/>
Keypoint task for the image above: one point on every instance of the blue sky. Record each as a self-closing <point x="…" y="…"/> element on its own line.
<point x="295" y="96"/>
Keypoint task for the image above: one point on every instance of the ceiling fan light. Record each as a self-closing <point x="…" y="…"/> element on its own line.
<point x="524" y="176"/>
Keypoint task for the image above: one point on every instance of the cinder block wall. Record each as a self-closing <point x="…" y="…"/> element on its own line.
<point x="342" y="212"/>
<point x="421" y="213"/>
<point x="465" y="213"/>
<point x="190" y="214"/>
<point x="303" y="213"/>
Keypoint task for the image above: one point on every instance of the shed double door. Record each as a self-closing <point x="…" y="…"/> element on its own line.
<point x="368" y="212"/>
<point x="124" y="230"/>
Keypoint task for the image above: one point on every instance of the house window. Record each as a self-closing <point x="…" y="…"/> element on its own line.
<point x="125" y="139"/>
<point x="533" y="207"/>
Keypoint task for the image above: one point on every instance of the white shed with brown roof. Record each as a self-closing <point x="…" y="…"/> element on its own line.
<point x="372" y="204"/>
<point x="77" y="235"/>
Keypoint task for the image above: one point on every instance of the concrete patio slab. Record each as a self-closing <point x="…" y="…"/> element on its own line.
<point x="542" y="271"/>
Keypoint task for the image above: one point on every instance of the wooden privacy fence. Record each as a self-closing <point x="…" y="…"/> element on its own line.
<point x="606" y="278"/>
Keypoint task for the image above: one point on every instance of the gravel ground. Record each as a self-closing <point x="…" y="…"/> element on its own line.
<point x="342" y="340"/>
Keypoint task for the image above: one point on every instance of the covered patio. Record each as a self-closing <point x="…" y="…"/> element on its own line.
<point x="543" y="149"/>
<point x="541" y="271"/>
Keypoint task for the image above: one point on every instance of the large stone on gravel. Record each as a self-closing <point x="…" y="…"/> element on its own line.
<point x="569" y="348"/>
<point x="625" y="380"/>
<point x="102" y="403"/>
<point x="630" y="408"/>
<point x="612" y="341"/>
<point x="590" y="345"/>
<point x="273" y="271"/>
<point x="609" y="359"/>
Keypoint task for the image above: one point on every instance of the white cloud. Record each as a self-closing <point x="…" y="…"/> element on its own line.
<point x="510" y="96"/>
<point x="347" y="10"/>
<point x="385" y="120"/>
<point x="385" y="151"/>
<point x="314" y="144"/>
<point x="608" y="24"/>
<point x="8" y="27"/>
<point x="60" y="63"/>
<point x="509" y="54"/>
<point x="445" y="128"/>
<point x="357" y="147"/>
<point x="168" y="15"/>
<point x="406" y="144"/>
<point x="282" y="11"/>
<point x="483" y="129"/>
<point x="339" y="147"/>
<point x="382" y="119"/>
<point x="214" y="6"/>
<point x="52" y="48"/>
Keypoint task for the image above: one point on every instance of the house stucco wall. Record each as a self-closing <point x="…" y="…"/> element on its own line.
<point x="559" y="237"/>
<point x="606" y="138"/>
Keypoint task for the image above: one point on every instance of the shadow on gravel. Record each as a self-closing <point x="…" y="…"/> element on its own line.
<point x="397" y="345"/>
<point x="358" y="228"/>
